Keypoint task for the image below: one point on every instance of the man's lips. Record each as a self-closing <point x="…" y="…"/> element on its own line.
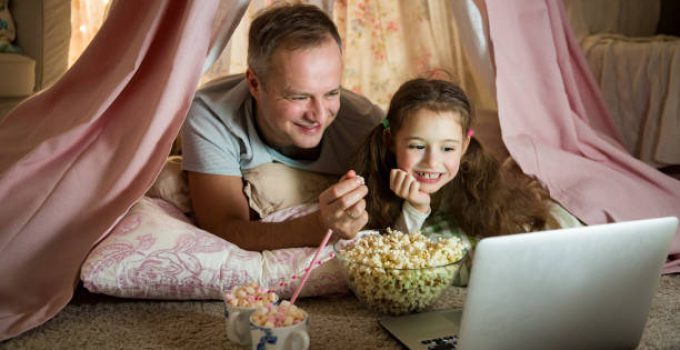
<point x="309" y="129"/>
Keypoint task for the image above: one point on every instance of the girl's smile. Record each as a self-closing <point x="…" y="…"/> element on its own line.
<point x="429" y="146"/>
<point x="427" y="177"/>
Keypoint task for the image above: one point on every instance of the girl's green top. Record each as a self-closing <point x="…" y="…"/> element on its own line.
<point x="439" y="225"/>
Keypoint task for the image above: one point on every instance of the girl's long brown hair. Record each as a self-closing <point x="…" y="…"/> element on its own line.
<point x="485" y="198"/>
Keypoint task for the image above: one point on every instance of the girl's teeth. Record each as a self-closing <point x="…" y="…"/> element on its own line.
<point x="428" y="175"/>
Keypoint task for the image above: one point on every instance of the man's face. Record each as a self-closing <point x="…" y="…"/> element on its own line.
<point x="300" y="97"/>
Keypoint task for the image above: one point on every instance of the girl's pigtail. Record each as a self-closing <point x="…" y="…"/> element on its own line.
<point x="474" y="190"/>
<point x="374" y="164"/>
<point x="493" y="199"/>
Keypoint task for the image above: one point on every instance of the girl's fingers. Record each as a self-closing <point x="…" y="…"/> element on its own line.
<point x="413" y="189"/>
<point x="393" y="179"/>
<point x="397" y="182"/>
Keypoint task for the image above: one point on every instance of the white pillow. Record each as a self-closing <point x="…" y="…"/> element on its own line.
<point x="155" y="252"/>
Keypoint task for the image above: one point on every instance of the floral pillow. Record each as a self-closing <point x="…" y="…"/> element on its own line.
<point x="155" y="252"/>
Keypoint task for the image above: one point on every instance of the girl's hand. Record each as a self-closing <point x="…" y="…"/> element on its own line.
<point x="407" y="187"/>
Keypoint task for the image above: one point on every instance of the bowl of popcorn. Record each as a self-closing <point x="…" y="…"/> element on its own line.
<point x="396" y="273"/>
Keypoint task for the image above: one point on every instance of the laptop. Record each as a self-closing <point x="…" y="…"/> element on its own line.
<point x="588" y="287"/>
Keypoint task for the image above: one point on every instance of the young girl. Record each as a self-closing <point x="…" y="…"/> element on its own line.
<point x="426" y="171"/>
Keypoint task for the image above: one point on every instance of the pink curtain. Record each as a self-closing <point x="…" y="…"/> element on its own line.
<point x="555" y="123"/>
<point x="77" y="156"/>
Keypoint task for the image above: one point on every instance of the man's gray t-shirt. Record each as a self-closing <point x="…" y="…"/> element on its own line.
<point x="219" y="135"/>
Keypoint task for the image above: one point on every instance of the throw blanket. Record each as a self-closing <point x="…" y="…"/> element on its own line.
<point x="640" y="80"/>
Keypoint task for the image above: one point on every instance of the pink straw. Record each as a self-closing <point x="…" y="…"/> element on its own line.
<point x="311" y="266"/>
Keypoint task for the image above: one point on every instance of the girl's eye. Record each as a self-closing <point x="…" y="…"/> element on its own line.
<point x="448" y="149"/>
<point x="418" y="147"/>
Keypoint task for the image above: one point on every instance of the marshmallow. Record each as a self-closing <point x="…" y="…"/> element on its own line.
<point x="249" y="295"/>
<point x="283" y="315"/>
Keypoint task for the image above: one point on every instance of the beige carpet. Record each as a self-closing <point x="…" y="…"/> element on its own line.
<point x="99" y="322"/>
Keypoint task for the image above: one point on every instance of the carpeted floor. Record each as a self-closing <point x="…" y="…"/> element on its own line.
<point x="102" y="323"/>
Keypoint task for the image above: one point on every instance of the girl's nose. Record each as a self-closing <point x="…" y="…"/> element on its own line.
<point x="430" y="157"/>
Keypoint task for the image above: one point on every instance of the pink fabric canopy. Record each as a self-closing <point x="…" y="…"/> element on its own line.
<point x="556" y="126"/>
<point x="77" y="156"/>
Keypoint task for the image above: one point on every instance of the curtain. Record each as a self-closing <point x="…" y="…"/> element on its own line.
<point x="87" y="17"/>
<point x="77" y="156"/>
<point x="384" y="45"/>
<point x="556" y="126"/>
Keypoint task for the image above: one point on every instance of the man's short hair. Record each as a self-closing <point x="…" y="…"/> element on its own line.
<point x="293" y="26"/>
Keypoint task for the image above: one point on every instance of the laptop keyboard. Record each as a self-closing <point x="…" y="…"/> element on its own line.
<point x="443" y="343"/>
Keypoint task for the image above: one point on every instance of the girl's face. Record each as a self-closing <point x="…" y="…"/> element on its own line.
<point x="429" y="146"/>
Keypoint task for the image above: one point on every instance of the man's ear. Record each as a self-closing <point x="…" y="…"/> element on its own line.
<point x="254" y="85"/>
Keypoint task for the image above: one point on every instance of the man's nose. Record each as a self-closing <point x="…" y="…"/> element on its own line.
<point x="316" y="110"/>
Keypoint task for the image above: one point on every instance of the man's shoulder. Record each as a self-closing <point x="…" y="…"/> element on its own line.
<point x="231" y="90"/>
<point x="358" y="108"/>
<point x="221" y="84"/>
<point x="222" y="97"/>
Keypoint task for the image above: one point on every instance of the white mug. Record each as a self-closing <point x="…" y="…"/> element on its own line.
<point x="238" y="323"/>
<point x="293" y="337"/>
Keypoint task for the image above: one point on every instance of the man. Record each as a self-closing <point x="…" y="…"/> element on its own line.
<point x="288" y="108"/>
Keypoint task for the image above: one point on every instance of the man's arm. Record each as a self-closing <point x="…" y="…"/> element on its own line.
<point x="221" y="207"/>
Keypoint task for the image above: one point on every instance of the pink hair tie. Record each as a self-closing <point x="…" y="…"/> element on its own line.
<point x="470" y="133"/>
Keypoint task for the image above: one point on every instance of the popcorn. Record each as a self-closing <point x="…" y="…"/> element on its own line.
<point x="249" y="295"/>
<point x="282" y="315"/>
<point x="399" y="273"/>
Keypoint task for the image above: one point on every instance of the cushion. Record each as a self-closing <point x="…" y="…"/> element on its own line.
<point x="18" y="75"/>
<point x="274" y="186"/>
<point x="292" y="187"/>
<point x="155" y="252"/>
<point x="171" y="185"/>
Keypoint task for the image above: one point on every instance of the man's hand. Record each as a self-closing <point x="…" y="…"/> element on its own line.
<point x="342" y="207"/>
<point x="407" y="187"/>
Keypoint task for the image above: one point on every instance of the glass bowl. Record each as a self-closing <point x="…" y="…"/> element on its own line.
<point x="383" y="279"/>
